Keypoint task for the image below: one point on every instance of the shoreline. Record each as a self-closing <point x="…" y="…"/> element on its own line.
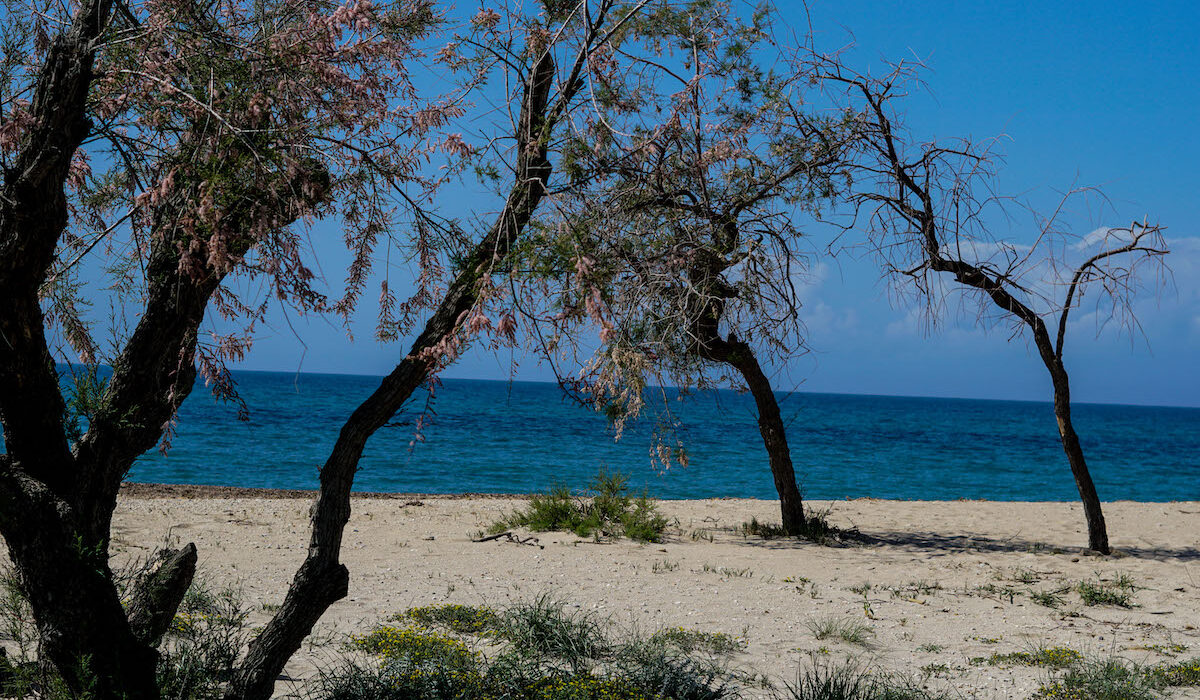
<point x="208" y="491"/>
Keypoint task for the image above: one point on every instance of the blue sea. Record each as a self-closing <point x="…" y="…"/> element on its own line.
<point x="520" y="437"/>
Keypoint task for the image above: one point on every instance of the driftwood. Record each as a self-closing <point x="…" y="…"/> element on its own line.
<point x="511" y="537"/>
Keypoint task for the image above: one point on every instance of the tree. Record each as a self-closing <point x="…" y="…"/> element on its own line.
<point x="922" y="204"/>
<point x="222" y="129"/>
<point x="213" y="146"/>
<point x="685" y="250"/>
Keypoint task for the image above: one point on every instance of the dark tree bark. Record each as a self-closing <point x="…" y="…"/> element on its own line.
<point x="739" y="355"/>
<point x="322" y="579"/>
<point x="158" y="593"/>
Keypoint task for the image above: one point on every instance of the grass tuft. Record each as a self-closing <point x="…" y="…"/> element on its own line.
<point x="846" y="629"/>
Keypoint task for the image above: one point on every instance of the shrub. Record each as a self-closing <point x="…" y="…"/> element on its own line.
<point x="605" y="509"/>
<point x="540" y="650"/>
<point x="1100" y="680"/>
<point x="1054" y="657"/>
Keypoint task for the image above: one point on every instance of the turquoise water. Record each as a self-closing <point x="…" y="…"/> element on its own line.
<point x="520" y="437"/>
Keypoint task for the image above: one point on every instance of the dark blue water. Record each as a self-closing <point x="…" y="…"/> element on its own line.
<point x="522" y="437"/>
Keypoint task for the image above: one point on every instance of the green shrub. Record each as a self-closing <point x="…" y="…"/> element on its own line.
<point x="415" y="646"/>
<point x="1186" y="673"/>
<point x="605" y="509"/>
<point x="1118" y="594"/>
<point x="203" y="643"/>
<point x="1101" y="680"/>
<point x="816" y="528"/>
<point x="540" y="650"/>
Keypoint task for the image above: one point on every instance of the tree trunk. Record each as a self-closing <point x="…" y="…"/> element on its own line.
<point x="158" y="593"/>
<point x="1097" y="531"/>
<point x="322" y="579"/>
<point x="81" y="624"/>
<point x="774" y="436"/>
<point x="739" y="355"/>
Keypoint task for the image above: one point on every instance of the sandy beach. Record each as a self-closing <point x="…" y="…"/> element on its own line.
<point x="941" y="585"/>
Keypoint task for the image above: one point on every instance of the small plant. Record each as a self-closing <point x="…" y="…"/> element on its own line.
<point x="845" y="629"/>
<point x="415" y="646"/>
<point x="861" y="589"/>
<point x="1050" y="599"/>
<point x="1052" y="657"/>
<point x="1026" y="576"/>
<point x="1102" y="680"/>
<point x="816" y="528"/>
<point x="463" y="619"/>
<point x="850" y="681"/>
<point x="935" y="670"/>
<point x="1186" y="673"/>
<point x="605" y="510"/>
<point x="1101" y="593"/>
<point x="716" y="643"/>
<point x="664" y="566"/>
<point x="545" y="628"/>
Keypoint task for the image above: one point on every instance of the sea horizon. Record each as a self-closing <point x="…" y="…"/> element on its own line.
<point x="521" y="436"/>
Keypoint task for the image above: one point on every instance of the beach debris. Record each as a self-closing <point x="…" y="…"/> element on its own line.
<point x="510" y="536"/>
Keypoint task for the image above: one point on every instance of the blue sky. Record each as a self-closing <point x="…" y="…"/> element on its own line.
<point x="1095" y="94"/>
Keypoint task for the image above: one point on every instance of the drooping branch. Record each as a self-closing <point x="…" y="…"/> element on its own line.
<point x="322" y="579"/>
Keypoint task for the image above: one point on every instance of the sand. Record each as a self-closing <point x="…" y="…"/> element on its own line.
<point x="948" y="581"/>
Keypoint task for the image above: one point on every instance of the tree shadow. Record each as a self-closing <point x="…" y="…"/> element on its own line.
<point x="941" y="544"/>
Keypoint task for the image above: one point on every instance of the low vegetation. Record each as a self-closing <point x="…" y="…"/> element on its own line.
<point x="541" y="650"/>
<point x="816" y="529"/>
<point x="851" y="681"/>
<point x="605" y="510"/>
<point x="841" y="628"/>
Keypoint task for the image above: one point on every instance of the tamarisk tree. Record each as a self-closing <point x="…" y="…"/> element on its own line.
<point x="219" y="131"/>
<point x="922" y="207"/>
<point x="184" y="145"/>
<point x="685" y="252"/>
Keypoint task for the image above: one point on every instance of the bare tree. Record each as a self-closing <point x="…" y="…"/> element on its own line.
<point x="923" y="207"/>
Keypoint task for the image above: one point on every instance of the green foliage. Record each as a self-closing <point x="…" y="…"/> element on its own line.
<point x="203" y="643"/>
<point x="846" y="629"/>
<point x="1102" y="680"/>
<point x="816" y="528"/>
<point x="544" y="628"/>
<point x="462" y="619"/>
<point x="1118" y="593"/>
<point x="1185" y="673"/>
<point x="605" y="510"/>
<point x="196" y="655"/>
<point x="415" y="646"/>
<point x="690" y="640"/>
<point x="850" y="681"/>
<point x="540" y="650"/>
<point x="1054" y="657"/>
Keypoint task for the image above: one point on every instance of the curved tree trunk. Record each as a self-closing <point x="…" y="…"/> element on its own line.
<point x="1097" y="530"/>
<point x="739" y="355"/>
<point x="322" y="579"/>
<point x="774" y="435"/>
